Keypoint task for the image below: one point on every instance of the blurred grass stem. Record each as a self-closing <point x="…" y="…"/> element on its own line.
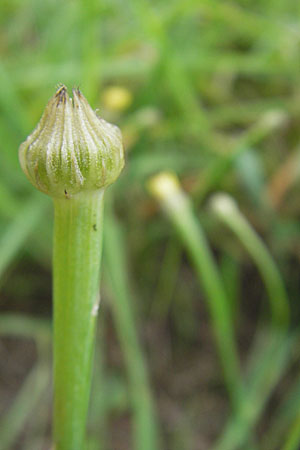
<point x="146" y="433"/>
<point x="293" y="438"/>
<point x="166" y="189"/>
<point x="227" y="210"/>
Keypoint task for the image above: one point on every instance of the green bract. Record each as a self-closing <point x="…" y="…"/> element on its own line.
<point x="71" y="150"/>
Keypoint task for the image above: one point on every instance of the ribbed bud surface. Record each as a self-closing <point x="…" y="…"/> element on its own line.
<point x="71" y="150"/>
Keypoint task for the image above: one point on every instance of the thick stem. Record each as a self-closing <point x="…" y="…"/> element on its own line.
<point x="76" y="269"/>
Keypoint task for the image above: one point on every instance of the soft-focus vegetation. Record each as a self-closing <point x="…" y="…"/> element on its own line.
<point x="199" y="343"/>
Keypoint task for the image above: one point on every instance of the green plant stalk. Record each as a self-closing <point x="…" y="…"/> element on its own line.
<point x="168" y="273"/>
<point x="146" y="433"/>
<point x="25" y="403"/>
<point x="19" y="228"/>
<point x="283" y="417"/>
<point x="293" y="438"/>
<point x="239" y="428"/>
<point x="179" y="209"/>
<point x="236" y="222"/>
<point x="76" y="271"/>
<point x="271" y="364"/>
<point x="197" y="246"/>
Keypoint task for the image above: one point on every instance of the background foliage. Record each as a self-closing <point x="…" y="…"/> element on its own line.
<point x="209" y="90"/>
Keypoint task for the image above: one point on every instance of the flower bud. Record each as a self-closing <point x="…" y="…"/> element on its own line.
<point x="165" y="187"/>
<point x="71" y="150"/>
<point x="223" y="204"/>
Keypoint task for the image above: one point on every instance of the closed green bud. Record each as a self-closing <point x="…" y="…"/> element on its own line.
<point x="71" y="150"/>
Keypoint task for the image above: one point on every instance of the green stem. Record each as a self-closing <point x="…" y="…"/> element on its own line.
<point x="270" y="365"/>
<point x="293" y="437"/>
<point x="198" y="248"/>
<point x="234" y="219"/>
<point x="179" y="209"/>
<point x="76" y="270"/>
<point x="146" y="433"/>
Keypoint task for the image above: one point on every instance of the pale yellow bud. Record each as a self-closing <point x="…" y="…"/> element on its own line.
<point x="117" y="98"/>
<point x="165" y="187"/>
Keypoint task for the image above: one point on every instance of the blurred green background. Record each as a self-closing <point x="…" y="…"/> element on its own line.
<point x="209" y="90"/>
